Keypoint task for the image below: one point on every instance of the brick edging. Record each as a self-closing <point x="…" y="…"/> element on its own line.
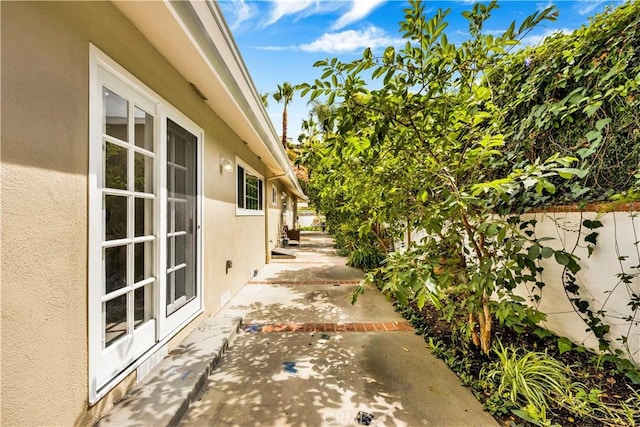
<point x="303" y="282"/>
<point x="591" y="207"/>
<point x="329" y="327"/>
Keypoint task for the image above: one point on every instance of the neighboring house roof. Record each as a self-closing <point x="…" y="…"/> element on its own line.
<point x="194" y="37"/>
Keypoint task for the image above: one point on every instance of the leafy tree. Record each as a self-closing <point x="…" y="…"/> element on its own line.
<point x="264" y="97"/>
<point x="577" y="94"/>
<point x="426" y="152"/>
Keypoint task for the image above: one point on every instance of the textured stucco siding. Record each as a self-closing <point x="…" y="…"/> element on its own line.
<point x="44" y="196"/>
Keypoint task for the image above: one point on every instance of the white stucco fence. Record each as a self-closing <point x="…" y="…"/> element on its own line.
<point x="598" y="279"/>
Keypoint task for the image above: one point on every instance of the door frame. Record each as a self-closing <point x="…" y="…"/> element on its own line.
<point x="184" y="314"/>
<point x="165" y="328"/>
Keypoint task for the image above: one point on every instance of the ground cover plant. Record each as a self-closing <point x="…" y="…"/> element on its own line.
<point x="591" y="390"/>
<point x="438" y="145"/>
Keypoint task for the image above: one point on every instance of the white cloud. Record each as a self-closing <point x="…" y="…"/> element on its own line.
<point x="543" y="5"/>
<point x="276" y="48"/>
<point x="282" y="8"/>
<point x="536" y="39"/>
<point x="239" y="12"/>
<point x="585" y="7"/>
<point x="359" y="9"/>
<point x="351" y="41"/>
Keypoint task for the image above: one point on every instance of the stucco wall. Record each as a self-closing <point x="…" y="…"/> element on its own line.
<point x="44" y="218"/>
<point x="598" y="280"/>
<point x="45" y="70"/>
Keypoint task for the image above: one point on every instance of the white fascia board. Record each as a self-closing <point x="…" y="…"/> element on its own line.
<point x="196" y="40"/>
<point x="211" y="16"/>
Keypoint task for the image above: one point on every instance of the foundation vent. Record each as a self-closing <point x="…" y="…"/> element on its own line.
<point x="146" y="366"/>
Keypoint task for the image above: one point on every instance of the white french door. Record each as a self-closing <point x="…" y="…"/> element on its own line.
<point x="181" y="225"/>
<point x="144" y="223"/>
<point x="124" y="244"/>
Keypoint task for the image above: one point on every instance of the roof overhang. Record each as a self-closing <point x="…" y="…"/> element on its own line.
<point x="195" y="39"/>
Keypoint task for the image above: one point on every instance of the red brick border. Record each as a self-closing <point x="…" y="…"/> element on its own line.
<point x="591" y="207"/>
<point x="304" y="282"/>
<point x="330" y="327"/>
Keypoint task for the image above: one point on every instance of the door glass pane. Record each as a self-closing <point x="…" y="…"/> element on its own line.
<point x="115" y="119"/>
<point x="170" y="217"/>
<point x="143" y="129"/>
<point x="115" y="319"/>
<point x="180" y="248"/>
<point x="180" y="188"/>
<point x="143" y="217"/>
<point x="143" y="173"/>
<point x="115" y="170"/>
<point x="181" y="286"/>
<point x="143" y="261"/>
<point x="115" y="268"/>
<point x="181" y="149"/>
<point x="143" y="305"/>
<point x="115" y="208"/>
<point x="180" y="215"/>
<point x="170" y="288"/>
<point x="182" y="212"/>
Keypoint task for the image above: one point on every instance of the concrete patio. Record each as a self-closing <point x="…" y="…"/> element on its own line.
<point x="306" y="357"/>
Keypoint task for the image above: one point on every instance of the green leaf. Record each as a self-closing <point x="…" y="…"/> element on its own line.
<point x="502" y="234"/>
<point x="592" y="238"/>
<point x="564" y="345"/>
<point x="568" y="173"/>
<point x="547" y="252"/>
<point x="421" y="300"/>
<point x="591" y="224"/>
<point x="331" y="98"/>
<point x="326" y="74"/>
<point x="562" y="258"/>
<point x="591" y="109"/>
<point x="600" y="124"/>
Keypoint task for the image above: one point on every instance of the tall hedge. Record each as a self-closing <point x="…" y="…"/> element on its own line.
<point x="577" y="94"/>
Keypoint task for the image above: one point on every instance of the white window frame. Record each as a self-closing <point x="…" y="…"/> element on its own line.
<point x="177" y="320"/>
<point x="165" y="328"/>
<point x="243" y="211"/>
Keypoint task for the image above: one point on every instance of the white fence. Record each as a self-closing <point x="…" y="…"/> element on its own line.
<point x="599" y="279"/>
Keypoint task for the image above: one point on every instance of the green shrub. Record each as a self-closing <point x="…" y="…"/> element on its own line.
<point x="534" y="384"/>
<point x="366" y="258"/>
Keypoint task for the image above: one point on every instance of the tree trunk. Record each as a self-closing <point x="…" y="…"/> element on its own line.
<point x="284" y="126"/>
<point x="485" y="321"/>
<point x="474" y="334"/>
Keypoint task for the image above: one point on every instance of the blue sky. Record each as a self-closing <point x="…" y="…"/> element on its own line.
<point x="281" y="39"/>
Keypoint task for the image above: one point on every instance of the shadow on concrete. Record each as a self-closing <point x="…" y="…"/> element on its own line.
<point x="295" y="379"/>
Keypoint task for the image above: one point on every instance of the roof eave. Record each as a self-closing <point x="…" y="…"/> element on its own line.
<point x="195" y="39"/>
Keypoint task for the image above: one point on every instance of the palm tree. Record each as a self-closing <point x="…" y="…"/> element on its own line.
<point x="324" y="113"/>
<point x="308" y="128"/>
<point x="284" y="94"/>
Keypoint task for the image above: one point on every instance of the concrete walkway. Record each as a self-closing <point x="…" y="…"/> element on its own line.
<point x="306" y="357"/>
